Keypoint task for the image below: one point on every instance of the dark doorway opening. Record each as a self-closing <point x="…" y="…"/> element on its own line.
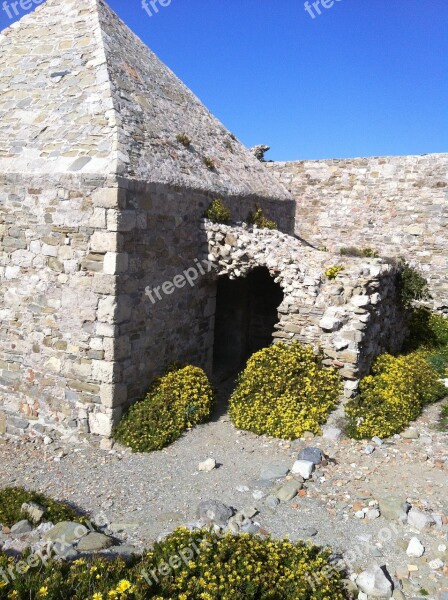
<point x="246" y="315"/>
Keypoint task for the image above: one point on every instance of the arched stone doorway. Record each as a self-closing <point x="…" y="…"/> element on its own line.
<point x="245" y="319"/>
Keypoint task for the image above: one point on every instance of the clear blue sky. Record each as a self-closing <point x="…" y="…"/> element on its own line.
<point x="366" y="77"/>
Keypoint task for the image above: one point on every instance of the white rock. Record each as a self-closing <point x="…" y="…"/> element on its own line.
<point x="258" y="495"/>
<point x="415" y="548"/>
<point x="436" y="564"/>
<point x="100" y="424"/>
<point x="106" y="444"/>
<point x="331" y="433"/>
<point x="360" y="300"/>
<point x="207" y="465"/>
<point x="330" y="323"/>
<point x="420" y="520"/>
<point x="374" y="583"/>
<point x="242" y="488"/>
<point x="304" y="468"/>
<point x="373" y="514"/>
<point x="359" y="514"/>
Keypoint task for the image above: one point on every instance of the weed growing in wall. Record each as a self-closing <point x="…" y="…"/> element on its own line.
<point x="257" y="218"/>
<point x="333" y="272"/>
<point x="217" y="212"/>
<point x="412" y="286"/>
<point x="359" y="252"/>
<point x="208" y="162"/>
<point x="183" y="139"/>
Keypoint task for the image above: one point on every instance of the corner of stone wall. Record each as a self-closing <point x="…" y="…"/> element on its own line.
<point x="110" y="205"/>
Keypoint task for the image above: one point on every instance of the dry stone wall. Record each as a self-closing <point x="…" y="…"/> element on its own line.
<point x="397" y="205"/>
<point x="352" y="318"/>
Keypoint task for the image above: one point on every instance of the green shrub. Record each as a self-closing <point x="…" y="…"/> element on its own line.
<point x="359" y="252"/>
<point x="443" y="425"/>
<point x="217" y="212"/>
<point x="257" y="218"/>
<point x="183" y="139"/>
<point x="412" y="286"/>
<point x="176" y="401"/>
<point x="223" y="568"/>
<point x="438" y="360"/>
<point x="284" y="391"/>
<point x="393" y="395"/>
<point x="429" y="332"/>
<point x="12" y="498"/>
<point x="333" y="272"/>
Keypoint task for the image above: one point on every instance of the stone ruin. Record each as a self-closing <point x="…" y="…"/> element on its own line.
<point x="103" y="244"/>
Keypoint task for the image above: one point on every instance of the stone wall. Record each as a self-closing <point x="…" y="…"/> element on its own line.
<point x="162" y="316"/>
<point x="56" y="275"/>
<point x="396" y="205"/>
<point x="352" y="318"/>
<point x="79" y="337"/>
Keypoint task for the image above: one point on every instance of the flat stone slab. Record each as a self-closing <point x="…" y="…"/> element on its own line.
<point x="94" y="542"/>
<point x="273" y="471"/>
<point x="66" y="531"/>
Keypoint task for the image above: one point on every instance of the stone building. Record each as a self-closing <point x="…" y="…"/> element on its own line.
<point x="99" y="201"/>
<point x="107" y="270"/>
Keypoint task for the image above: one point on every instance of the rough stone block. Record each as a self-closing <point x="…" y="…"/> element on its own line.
<point x="106" y="198"/>
<point x="104" y="241"/>
<point x="2" y="422"/>
<point x="115" y="263"/>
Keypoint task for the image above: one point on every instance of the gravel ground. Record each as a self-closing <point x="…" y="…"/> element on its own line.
<point x="151" y="494"/>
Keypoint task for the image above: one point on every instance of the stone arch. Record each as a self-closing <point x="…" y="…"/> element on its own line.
<point x="351" y="319"/>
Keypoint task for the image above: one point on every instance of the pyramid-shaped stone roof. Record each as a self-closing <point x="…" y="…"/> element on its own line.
<point x="81" y="93"/>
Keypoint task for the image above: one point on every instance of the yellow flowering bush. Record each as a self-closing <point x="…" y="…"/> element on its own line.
<point x="222" y="568"/>
<point x="180" y="399"/>
<point x="393" y="395"/>
<point x="333" y="272"/>
<point x="284" y="391"/>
